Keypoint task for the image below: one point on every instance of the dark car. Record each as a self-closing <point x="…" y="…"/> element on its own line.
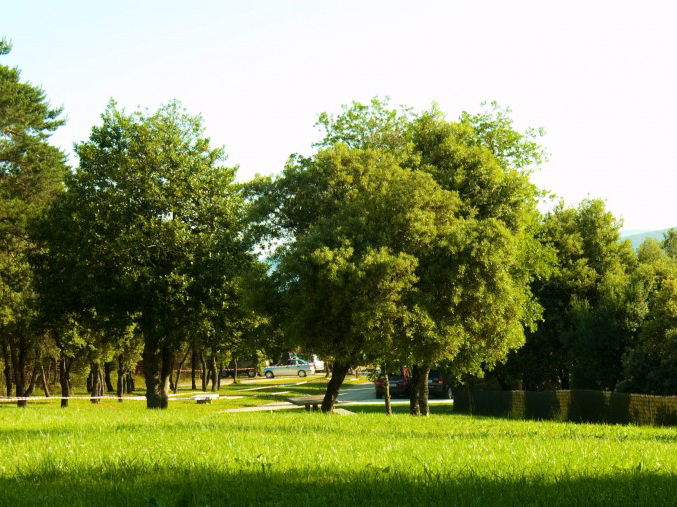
<point x="244" y="366"/>
<point x="400" y="385"/>
<point x="438" y="386"/>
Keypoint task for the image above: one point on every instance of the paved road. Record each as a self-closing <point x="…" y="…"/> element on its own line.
<point x="366" y="395"/>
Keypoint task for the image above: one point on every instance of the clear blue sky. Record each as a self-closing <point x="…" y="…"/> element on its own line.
<point x="599" y="76"/>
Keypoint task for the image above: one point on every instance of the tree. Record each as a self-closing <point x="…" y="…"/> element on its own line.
<point x="149" y="230"/>
<point x="456" y="289"/>
<point x="471" y="298"/>
<point x="587" y="318"/>
<point x="358" y="221"/>
<point x="31" y="174"/>
<point x="648" y="361"/>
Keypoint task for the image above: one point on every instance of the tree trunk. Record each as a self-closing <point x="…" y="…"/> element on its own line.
<point x="130" y="383"/>
<point x="171" y="376"/>
<point x="422" y="388"/>
<point x="167" y="367"/>
<point x="193" y="367"/>
<point x="94" y="372"/>
<point x="108" y="368"/>
<point x="7" y="371"/>
<point x="414" y="407"/>
<point x="337" y="377"/>
<point x="156" y="370"/>
<point x="386" y="392"/>
<point x="19" y="364"/>
<point x="235" y="371"/>
<point x="214" y="373"/>
<point x="31" y="384"/>
<point x="64" y="380"/>
<point x="89" y="382"/>
<point x="45" y="384"/>
<point x="178" y="372"/>
<point x="121" y="378"/>
<point x="205" y="380"/>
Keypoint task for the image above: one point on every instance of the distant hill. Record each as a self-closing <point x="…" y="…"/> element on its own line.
<point x="637" y="238"/>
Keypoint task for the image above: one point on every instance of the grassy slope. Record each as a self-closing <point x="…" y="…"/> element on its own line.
<point x="122" y="454"/>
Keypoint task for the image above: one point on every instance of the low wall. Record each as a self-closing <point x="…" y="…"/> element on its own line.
<point x="576" y="406"/>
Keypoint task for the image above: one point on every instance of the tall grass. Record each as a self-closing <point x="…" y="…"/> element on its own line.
<point x="122" y="454"/>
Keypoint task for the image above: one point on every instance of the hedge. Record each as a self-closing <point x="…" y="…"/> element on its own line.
<point x="576" y="406"/>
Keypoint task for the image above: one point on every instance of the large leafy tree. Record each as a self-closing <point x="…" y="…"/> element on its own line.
<point x="461" y="295"/>
<point x="149" y="231"/>
<point x="31" y="172"/>
<point x="359" y="223"/>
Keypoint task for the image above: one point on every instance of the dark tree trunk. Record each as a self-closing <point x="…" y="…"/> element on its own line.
<point x="414" y="407"/>
<point x="157" y="363"/>
<point x="193" y="367"/>
<point x="89" y="382"/>
<point x="167" y="366"/>
<point x="213" y="372"/>
<point x="219" y="376"/>
<point x="422" y="388"/>
<point x="99" y="391"/>
<point x="65" y="380"/>
<point x="205" y="380"/>
<point x="34" y="379"/>
<point x="45" y="384"/>
<point x="121" y="378"/>
<point x="235" y="371"/>
<point x="131" y="387"/>
<point x="178" y="372"/>
<point x="386" y="392"/>
<point x="108" y="368"/>
<point x="7" y="371"/>
<point x="337" y="377"/>
<point x="94" y="372"/>
<point x="19" y="364"/>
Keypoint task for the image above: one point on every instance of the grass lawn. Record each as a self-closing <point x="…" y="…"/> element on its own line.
<point x="122" y="454"/>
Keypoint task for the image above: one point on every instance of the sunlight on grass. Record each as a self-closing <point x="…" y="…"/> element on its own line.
<point x="122" y="454"/>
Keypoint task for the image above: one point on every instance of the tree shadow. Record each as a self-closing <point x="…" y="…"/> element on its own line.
<point x="258" y="483"/>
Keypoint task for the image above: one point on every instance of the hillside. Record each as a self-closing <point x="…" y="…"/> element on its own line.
<point x="637" y="238"/>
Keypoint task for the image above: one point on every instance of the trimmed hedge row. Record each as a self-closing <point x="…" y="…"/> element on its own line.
<point x="576" y="406"/>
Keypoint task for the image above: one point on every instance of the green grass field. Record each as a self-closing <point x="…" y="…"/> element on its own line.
<point x="122" y="454"/>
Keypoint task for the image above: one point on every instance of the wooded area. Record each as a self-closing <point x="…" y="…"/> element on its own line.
<point x="405" y="238"/>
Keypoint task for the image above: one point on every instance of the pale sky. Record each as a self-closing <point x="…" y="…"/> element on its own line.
<point x="600" y="77"/>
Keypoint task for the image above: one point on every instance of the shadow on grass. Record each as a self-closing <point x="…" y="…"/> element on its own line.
<point x="259" y="484"/>
<point x="446" y="408"/>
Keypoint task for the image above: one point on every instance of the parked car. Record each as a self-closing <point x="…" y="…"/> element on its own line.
<point x="438" y="387"/>
<point x="316" y="362"/>
<point x="244" y="366"/>
<point x="398" y="381"/>
<point x="293" y="367"/>
<point x="400" y="385"/>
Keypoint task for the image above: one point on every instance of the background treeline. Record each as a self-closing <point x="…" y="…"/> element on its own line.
<point x="406" y="238"/>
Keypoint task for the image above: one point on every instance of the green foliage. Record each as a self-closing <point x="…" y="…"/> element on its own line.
<point x="359" y="223"/>
<point x="369" y="126"/>
<point x="590" y="313"/>
<point x="493" y="128"/>
<point x="31" y="174"/>
<point x="649" y="363"/>
<point x="148" y="232"/>
<point x="405" y="239"/>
